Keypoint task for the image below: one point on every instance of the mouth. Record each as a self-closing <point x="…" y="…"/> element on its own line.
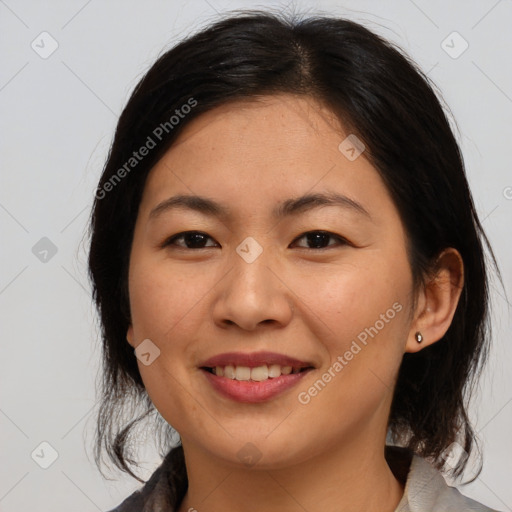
<point x="254" y="378"/>
<point x="255" y="374"/>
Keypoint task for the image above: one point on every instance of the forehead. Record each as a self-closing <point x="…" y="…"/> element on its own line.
<point x="262" y="150"/>
<point x="264" y="122"/>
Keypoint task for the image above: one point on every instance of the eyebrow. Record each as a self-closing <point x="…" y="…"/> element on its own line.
<point x="287" y="208"/>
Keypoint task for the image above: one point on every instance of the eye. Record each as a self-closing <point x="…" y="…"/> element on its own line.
<point x="198" y="240"/>
<point x="320" y="239"/>
<point x="191" y="240"/>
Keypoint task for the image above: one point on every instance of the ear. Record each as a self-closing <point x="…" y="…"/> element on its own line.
<point x="130" y="337"/>
<point x="437" y="301"/>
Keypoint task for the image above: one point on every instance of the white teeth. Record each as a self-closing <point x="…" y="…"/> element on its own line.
<point x="229" y="371"/>
<point x="258" y="374"/>
<point x="274" y="370"/>
<point x="242" y="373"/>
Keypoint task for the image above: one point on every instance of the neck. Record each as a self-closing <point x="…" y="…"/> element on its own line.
<point x="350" y="478"/>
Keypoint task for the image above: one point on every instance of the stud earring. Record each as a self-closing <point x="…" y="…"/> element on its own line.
<point x="418" y="337"/>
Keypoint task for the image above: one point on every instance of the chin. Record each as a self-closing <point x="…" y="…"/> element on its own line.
<point x="258" y="452"/>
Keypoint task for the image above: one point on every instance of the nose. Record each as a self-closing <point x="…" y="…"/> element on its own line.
<point x="253" y="294"/>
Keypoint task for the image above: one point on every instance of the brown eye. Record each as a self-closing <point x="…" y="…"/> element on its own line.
<point x="320" y="239"/>
<point x="189" y="240"/>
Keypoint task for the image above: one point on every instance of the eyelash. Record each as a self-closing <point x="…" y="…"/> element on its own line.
<point x="341" y="241"/>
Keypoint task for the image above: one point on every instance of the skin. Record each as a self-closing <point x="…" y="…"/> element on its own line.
<point x="297" y="298"/>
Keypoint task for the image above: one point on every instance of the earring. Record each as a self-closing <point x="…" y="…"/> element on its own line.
<point x="419" y="337"/>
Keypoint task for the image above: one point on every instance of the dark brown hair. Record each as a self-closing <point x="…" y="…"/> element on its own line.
<point x="391" y="106"/>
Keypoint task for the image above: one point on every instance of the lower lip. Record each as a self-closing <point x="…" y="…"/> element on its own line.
<point x="249" y="391"/>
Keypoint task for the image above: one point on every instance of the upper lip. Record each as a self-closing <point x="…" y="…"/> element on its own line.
<point x="253" y="360"/>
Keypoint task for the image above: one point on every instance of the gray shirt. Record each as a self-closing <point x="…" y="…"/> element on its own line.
<point x="427" y="491"/>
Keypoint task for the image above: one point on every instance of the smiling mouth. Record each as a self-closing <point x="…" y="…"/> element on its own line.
<point x="255" y="374"/>
<point x="254" y="377"/>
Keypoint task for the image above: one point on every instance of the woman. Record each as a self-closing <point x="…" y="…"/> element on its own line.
<point x="289" y="268"/>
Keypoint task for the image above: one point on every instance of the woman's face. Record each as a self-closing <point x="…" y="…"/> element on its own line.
<point x="256" y="286"/>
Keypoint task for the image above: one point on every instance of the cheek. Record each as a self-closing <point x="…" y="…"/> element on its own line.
<point x="163" y="299"/>
<point x="362" y="301"/>
<point x="366" y="313"/>
<point x="365" y="306"/>
<point x="165" y="306"/>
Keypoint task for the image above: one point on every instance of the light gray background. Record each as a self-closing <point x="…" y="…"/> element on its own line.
<point x="57" y="120"/>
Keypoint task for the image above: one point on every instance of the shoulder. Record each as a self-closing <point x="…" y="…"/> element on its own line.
<point x="427" y="491"/>
<point x="155" y="494"/>
<point x="137" y="502"/>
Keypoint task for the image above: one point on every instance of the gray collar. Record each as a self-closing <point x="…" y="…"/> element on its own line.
<point x="427" y="491"/>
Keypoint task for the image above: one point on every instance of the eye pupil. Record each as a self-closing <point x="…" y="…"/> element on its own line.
<point x="318" y="237"/>
<point x="195" y="239"/>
